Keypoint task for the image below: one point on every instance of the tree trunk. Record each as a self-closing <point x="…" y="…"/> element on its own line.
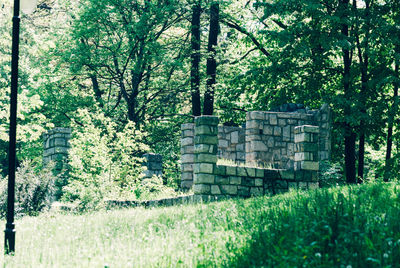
<point x="364" y="63"/>
<point x="361" y="154"/>
<point x="393" y="110"/>
<point x="208" y="107"/>
<point x="363" y="93"/>
<point x="96" y="89"/>
<point x="195" y="57"/>
<point x="392" y="114"/>
<point x="350" y="136"/>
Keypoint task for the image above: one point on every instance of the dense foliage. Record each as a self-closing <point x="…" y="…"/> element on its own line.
<point x="34" y="189"/>
<point x="126" y="74"/>
<point x="101" y="161"/>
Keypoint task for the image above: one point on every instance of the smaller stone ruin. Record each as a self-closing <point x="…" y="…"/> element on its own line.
<point x="56" y="146"/>
<point x="153" y="164"/>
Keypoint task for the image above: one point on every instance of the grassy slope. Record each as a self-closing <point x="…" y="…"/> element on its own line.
<point x="358" y="226"/>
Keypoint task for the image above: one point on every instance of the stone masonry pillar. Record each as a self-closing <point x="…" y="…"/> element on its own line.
<point x="324" y="119"/>
<point x="205" y="148"/>
<point x="306" y="156"/>
<point x="187" y="156"/>
<point x="56" y="146"/>
<point x="153" y="164"/>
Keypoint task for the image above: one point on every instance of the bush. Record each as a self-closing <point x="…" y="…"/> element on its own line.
<point x="153" y="188"/>
<point x="34" y="189"/>
<point x="169" y="148"/>
<point x="331" y="174"/>
<point x="104" y="161"/>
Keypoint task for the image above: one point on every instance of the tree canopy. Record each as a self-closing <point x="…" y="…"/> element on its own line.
<point x="156" y="64"/>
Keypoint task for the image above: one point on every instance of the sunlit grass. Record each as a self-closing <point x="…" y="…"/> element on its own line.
<point x="356" y="226"/>
<point x="162" y="237"/>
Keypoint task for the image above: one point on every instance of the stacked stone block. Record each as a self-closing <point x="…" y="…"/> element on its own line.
<point x="307" y="155"/>
<point x="324" y="119"/>
<point x="238" y="181"/>
<point x="269" y="141"/>
<point x="270" y="137"/>
<point x="231" y="146"/>
<point x="231" y="143"/>
<point x="153" y="164"/>
<point x="56" y="146"/>
<point x="222" y="181"/>
<point x="187" y="156"/>
<point x="205" y="148"/>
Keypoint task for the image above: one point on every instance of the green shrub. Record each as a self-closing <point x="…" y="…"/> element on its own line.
<point x="34" y="189"/>
<point x="169" y="148"/>
<point x="331" y="174"/>
<point x="153" y="188"/>
<point x="104" y="161"/>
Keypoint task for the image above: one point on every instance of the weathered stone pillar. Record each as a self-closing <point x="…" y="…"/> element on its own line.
<point x="187" y="156"/>
<point x="256" y="150"/>
<point x="153" y="163"/>
<point x="56" y="146"/>
<point x="324" y="119"/>
<point x="205" y="148"/>
<point x="306" y="154"/>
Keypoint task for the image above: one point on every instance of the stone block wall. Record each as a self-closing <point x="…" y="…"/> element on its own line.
<point x="270" y="136"/>
<point x="268" y="139"/>
<point x="324" y="119"/>
<point x="153" y="164"/>
<point x="224" y="180"/>
<point x="231" y="146"/>
<point x="231" y="143"/>
<point x="187" y="155"/>
<point x="56" y="146"/>
<point x="205" y="149"/>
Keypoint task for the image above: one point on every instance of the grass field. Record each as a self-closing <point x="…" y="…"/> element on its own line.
<point x="357" y="226"/>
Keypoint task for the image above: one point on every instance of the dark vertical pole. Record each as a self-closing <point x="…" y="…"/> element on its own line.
<point x="392" y="114"/>
<point x="208" y="105"/>
<point x="195" y="57"/>
<point x="9" y="238"/>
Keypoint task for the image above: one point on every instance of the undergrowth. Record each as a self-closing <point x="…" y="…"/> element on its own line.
<point x="348" y="226"/>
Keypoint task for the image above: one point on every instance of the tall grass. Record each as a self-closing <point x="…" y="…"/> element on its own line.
<point x="341" y="227"/>
<point x="357" y="226"/>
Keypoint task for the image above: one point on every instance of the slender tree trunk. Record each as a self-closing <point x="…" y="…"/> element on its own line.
<point x="361" y="153"/>
<point x="350" y="136"/>
<point x="208" y="107"/>
<point x="393" y="110"/>
<point x="392" y="114"/>
<point x="195" y="57"/>
<point x="361" y="144"/>
<point x="350" y="156"/>
<point x="364" y="63"/>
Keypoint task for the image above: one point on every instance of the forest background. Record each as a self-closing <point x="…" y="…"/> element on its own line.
<point x="126" y="74"/>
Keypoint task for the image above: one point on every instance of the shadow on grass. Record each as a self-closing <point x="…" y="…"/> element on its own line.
<point x="357" y="226"/>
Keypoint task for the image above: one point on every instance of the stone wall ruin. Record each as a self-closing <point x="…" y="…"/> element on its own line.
<point x="274" y="152"/>
<point x="56" y="146"/>
<point x="284" y="146"/>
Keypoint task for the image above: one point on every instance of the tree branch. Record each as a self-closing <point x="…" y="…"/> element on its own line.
<point x="248" y="34"/>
